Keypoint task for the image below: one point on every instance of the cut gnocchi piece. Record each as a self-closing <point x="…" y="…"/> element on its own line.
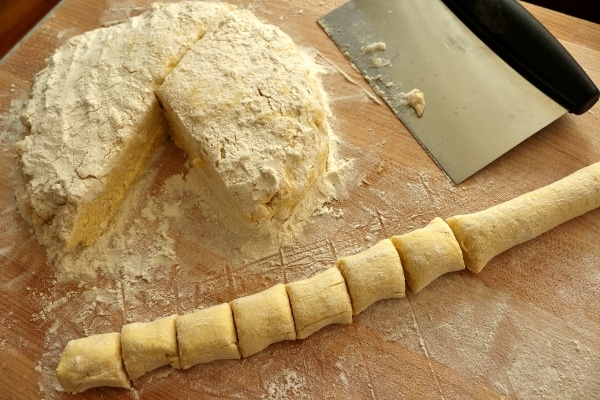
<point x="207" y="335"/>
<point x="319" y="301"/>
<point x="373" y="275"/>
<point x="262" y="319"/>
<point x="91" y="362"/>
<point x="428" y="253"/>
<point x="147" y="346"/>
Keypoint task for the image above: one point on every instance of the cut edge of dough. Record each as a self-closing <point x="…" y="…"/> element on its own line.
<point x="116" y="185"/>
<point x="472" y="262"/>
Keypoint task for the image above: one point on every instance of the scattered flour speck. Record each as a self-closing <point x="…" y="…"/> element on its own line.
<point x="287" y="383"/>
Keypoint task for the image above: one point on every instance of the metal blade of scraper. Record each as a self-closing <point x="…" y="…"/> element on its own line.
<point x="476" y="106"/>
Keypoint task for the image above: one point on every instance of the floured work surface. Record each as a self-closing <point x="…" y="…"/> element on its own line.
<point x="525" y="327"/>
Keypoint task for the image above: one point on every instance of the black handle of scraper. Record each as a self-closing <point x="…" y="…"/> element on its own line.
<point x="526" y="45"/>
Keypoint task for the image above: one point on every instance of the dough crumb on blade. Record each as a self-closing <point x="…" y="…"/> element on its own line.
<point x="485" y="234"/>
<point x="372" y="275"/>
<point x="262" y="319"/>
<point x="246" y="107"/>
<point x="373" y="47"/>
<point x="319" y="301"/>
<point x="428" y="253"/>
<point x="147" y="346"/>
<point x="416" y="99"/>
<point x="91" y="362"/>
<point x="207" y="335"/>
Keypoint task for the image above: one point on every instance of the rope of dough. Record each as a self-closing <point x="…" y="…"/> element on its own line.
<point x="485" y="234"/>
<point x="296" y="310"/>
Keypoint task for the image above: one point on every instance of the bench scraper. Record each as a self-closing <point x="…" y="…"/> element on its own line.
<point x="491" y="74"/>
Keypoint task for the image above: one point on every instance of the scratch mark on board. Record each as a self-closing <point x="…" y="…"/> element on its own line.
<point x="423" y="346"/>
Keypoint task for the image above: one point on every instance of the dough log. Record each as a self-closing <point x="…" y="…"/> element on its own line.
<point x="485" y="234"/>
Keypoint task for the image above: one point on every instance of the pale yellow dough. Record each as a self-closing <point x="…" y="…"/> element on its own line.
<point x="485" y="234"/>
<point x="319" y="301"/>
<point x="373" y="275"/>
<point x="91" y="362"/>
<point x="427" y="253"/>
<point x="207" y="335"/>
<point x="262" y="319"/>
<point x="146" y="346"/>
<point x="246" y="107"/>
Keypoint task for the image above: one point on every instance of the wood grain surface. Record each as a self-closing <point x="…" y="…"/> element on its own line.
<point x="526" y="327"/>
<point x="18" y="17"/>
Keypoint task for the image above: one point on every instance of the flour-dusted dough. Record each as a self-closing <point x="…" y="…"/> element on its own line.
<point x="207" y="335"/>
<point x="91" y="362"/>
<point x="373" y="275"/>
<point x="427" y="253"/>
<point x="94" y="121"/>
<point x="485" y="234"/>
<point x="146" y="346"/>
<point x="319" y="301"/>
<point x="262" y="319"/>
<point x="246" y="107"/>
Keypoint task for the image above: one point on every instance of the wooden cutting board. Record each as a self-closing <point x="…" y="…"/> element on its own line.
<point x="525" y="327"/>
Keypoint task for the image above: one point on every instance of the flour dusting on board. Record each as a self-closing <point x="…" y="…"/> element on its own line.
<point x="285" y="385"/>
